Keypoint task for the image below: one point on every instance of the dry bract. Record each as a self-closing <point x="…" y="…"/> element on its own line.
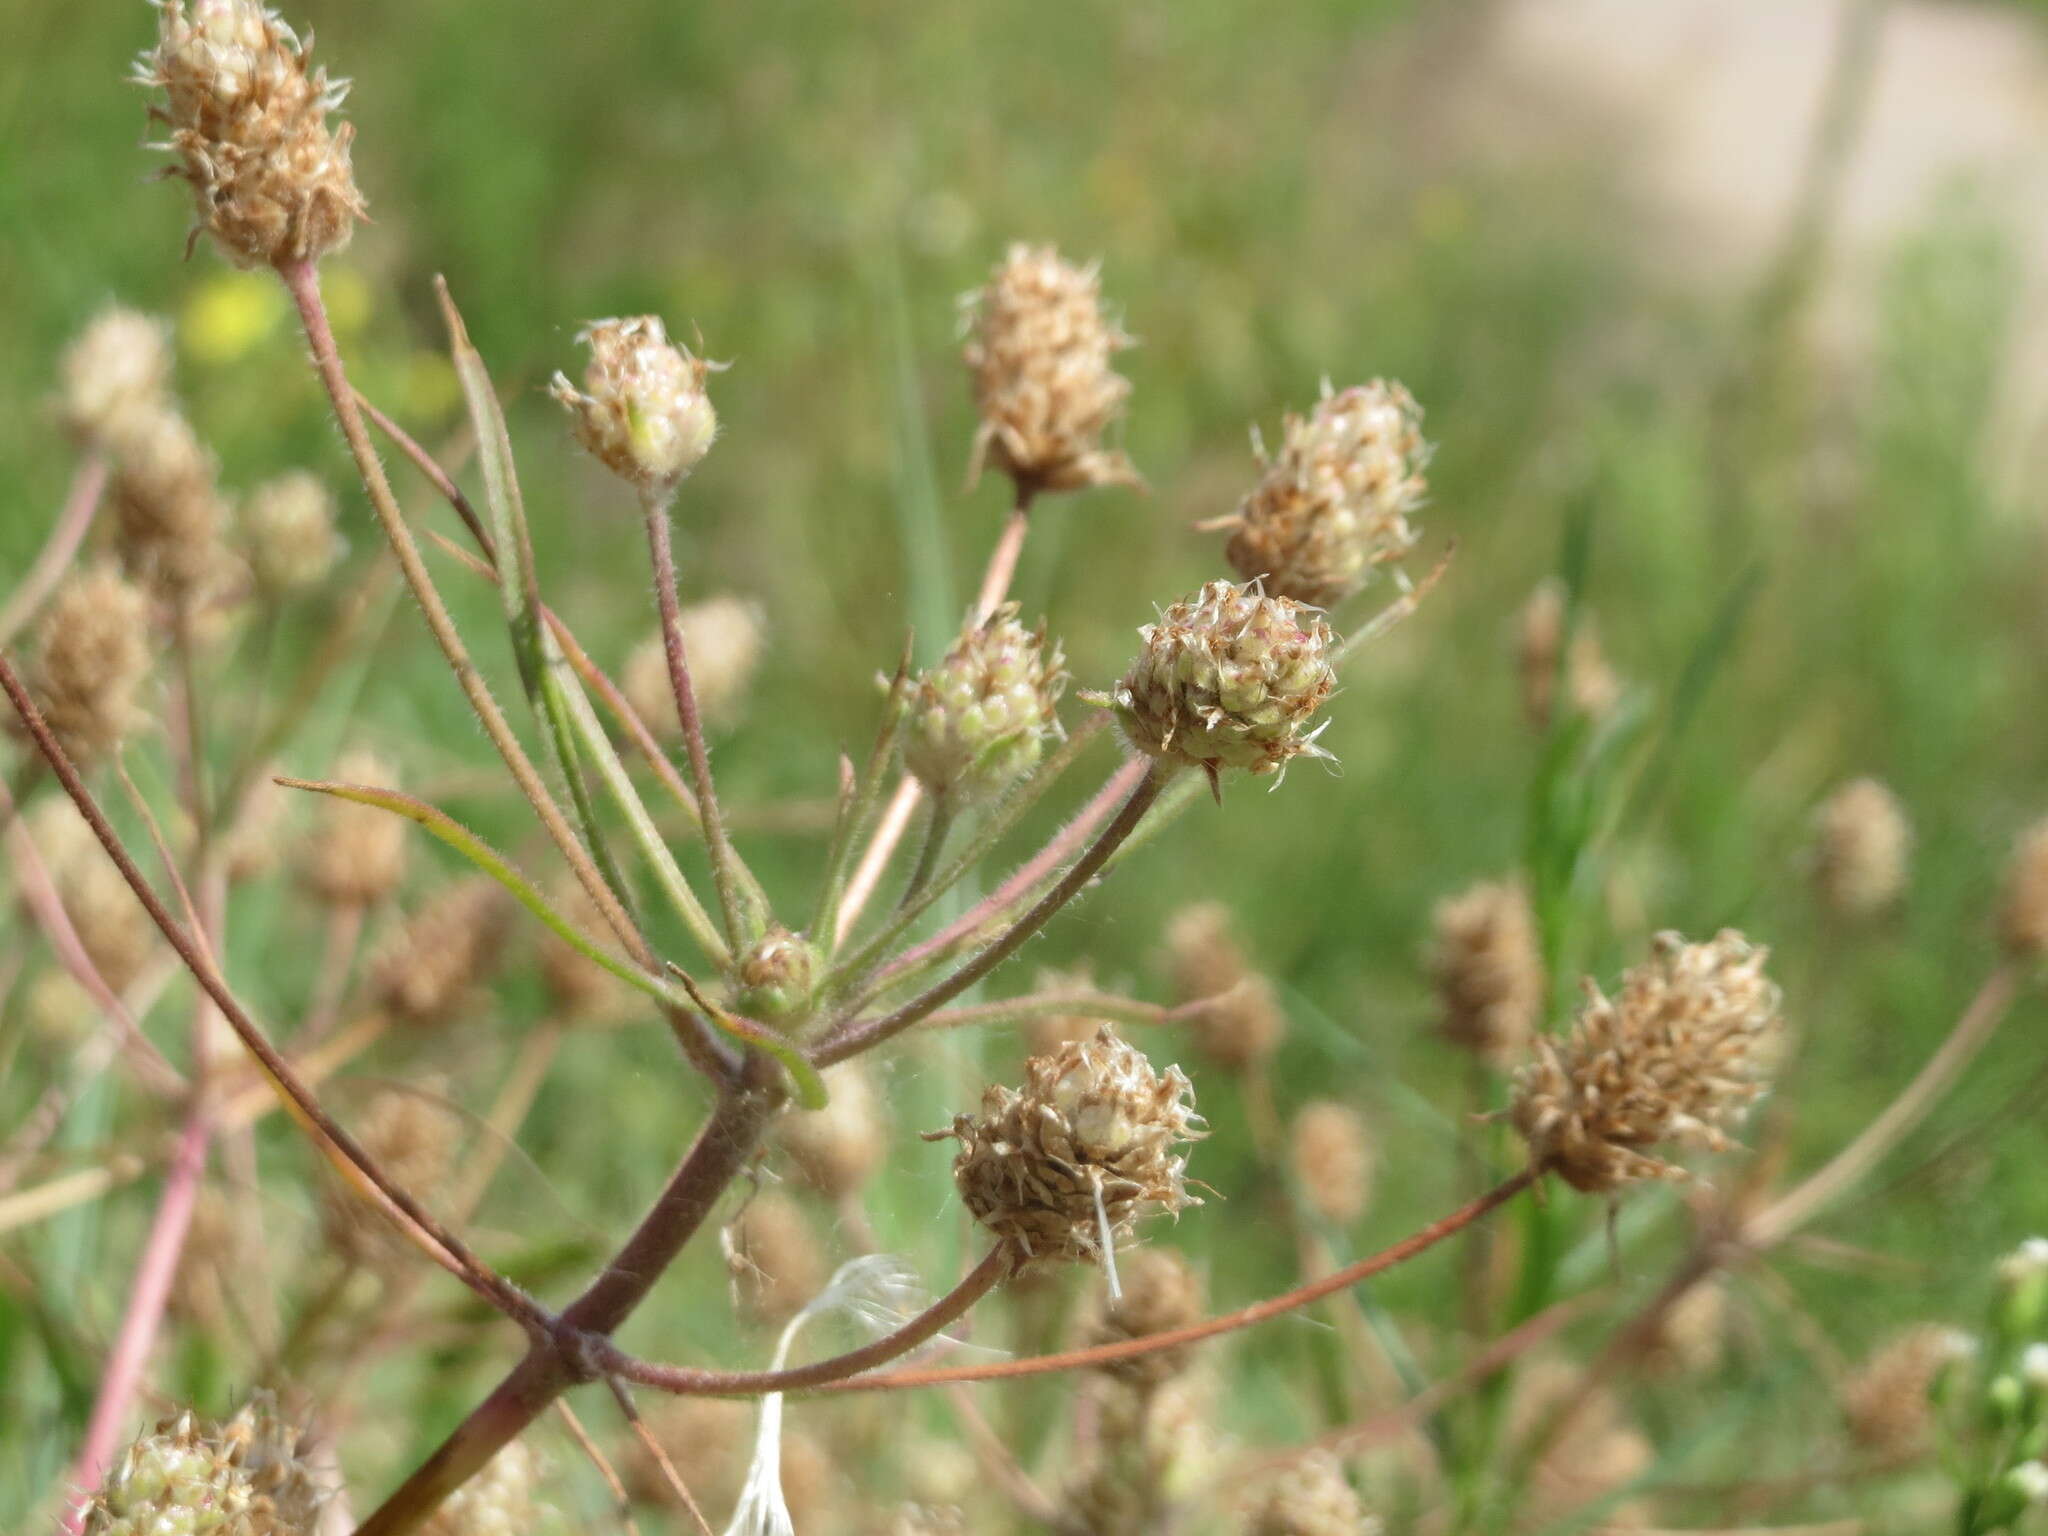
<point x="1040" y="352"/>
<point x="92" y="658"/>
<point x="247" y="120"/>
<point x="1079" y="1154"/>
<point x="1229" y="678"/>
<point x="642" y="411"/>
<point x="1333" y="503"/>
<point x="1487" y="968"/>
<point x="1675" y="1058"/>
<point x="978" y="720"/>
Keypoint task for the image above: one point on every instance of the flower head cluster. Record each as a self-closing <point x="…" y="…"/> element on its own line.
<point x="168" y="511"/>
<point x="1161" y="1293"/>
<point x="1311" y="1498"/>
<point x="501" y="1500"/>
<point x="1065" y="1166"/>
<point x="1675" y="1058"/>
<point x="1040" y="353"/>
<point x="1333" y="503"/>
<point x="979" y="718"/>
<point x="247" y="1477"/>
<point x="247" y="119"/>
<point x="1333" y="1158"/>
<point x="356" y="855"/>
<point x="643" y="411"/>
<point x="1228" y="678"/>
<point x="1488" y="970"/>
<point x="288" y="535"/>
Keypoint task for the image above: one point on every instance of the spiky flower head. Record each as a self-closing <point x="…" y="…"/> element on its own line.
<point x="1333" y="1159"/>
<point x="777" y="974"/>
<point x="1675" y="1058"/>
<point x="1311" y="1498"/>
<point x="92" y="658"/>
<point x="1333" y="503"/>
<point x="1064" y="1167"/>
<point x="120" y="363"/>
<point x="1860" y="848"/>
<point x="643" y="411"/>
<point x="1487" y="968"/>
<point x="356" y="854"/>
<point x="187" y="1477"/>
<point x="2023" y="919"/>
<point x="1228" y="678"/>
<point x="247" y="120"/>
<point x="978" y="719"/>
<point x="288" y="535"/>
<point x="1039" y="351"/>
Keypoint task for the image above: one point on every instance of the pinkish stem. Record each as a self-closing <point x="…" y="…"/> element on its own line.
<point x="153" y="1274"/>
<point x="83" y="500"/>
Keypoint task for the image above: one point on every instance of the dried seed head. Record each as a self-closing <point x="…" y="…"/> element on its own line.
<point x="1161" y="1292"/>
<point x="1242" y="1027"/>
<point x="1692" y="1331"/>
<point x="1040" y="352"/>
<point x="1333" y="503"/>
<point x="501" y="1500"/>
<point x="288" y="534"/>
<point x="168" y="512"/>
<point x="777" y="975"/>
<point x="431" y="968"/>
<point x="836" y="1149"/>
<point x="1079" y="1154"/>
<point x="1240" y="1022"/>
<point x="247" y="1477"/>
<point x="1228" y="678"/>
<point x="1886" y="1402"/>
<point x="1675" y="1058"/>
<point x="92" y="658"/>
<point x="1311" y="1498"/>
<point x="2023" y="919"/>
<point x="1599" y="1453"/>
<point x="112" y="926"/>
<point x="119" y="365"/>
<point x="1487" y="967"/>
<point x="1153" y="1447"/>
<point x="775" y="1258"/>
<point x="642" y="411"/>
<point x="412" y="1135"/>
<point x="247" y="120"/>
<point x="356" y="854"/>
<point x="254" y="844"/>
<point x="1203" y="956"/>
<point x="1333" y="1158"/>
<point x="978" y="720"/>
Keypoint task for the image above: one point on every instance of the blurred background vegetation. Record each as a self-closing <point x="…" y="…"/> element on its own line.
<point x="1778" y="483"/>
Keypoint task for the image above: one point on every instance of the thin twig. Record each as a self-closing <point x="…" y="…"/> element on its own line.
<point x="54" y="560"/>
<point x="590" y="1449"/>
<point x="653" y="1447"/>
<point x="1245" y="1317"/>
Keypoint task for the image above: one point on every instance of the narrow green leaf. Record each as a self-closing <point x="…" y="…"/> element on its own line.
<point x="439" y="824"/>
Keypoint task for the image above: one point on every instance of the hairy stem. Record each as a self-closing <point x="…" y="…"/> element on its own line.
<point x="860" y="1035"/>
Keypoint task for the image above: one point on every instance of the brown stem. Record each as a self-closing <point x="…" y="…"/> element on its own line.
<point x="486" y="1281"/>
<point x="1245" y="1317"/>
<point x="723" y="1147"/>
<point x="659" y="1456"/>
<point x="661" y="550"/>
<point x="302" y="280"/>
<point x="620" y="1498"/>
<point x="857" y="1036"/>
<point x="1002" y="560"/>
<point x="980" y="1280"/>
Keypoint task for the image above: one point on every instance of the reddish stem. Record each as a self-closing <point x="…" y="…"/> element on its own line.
<point x="154" y="1272"/>
<point x="66" y="534"/>
<point x="1230" y="1322"/>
